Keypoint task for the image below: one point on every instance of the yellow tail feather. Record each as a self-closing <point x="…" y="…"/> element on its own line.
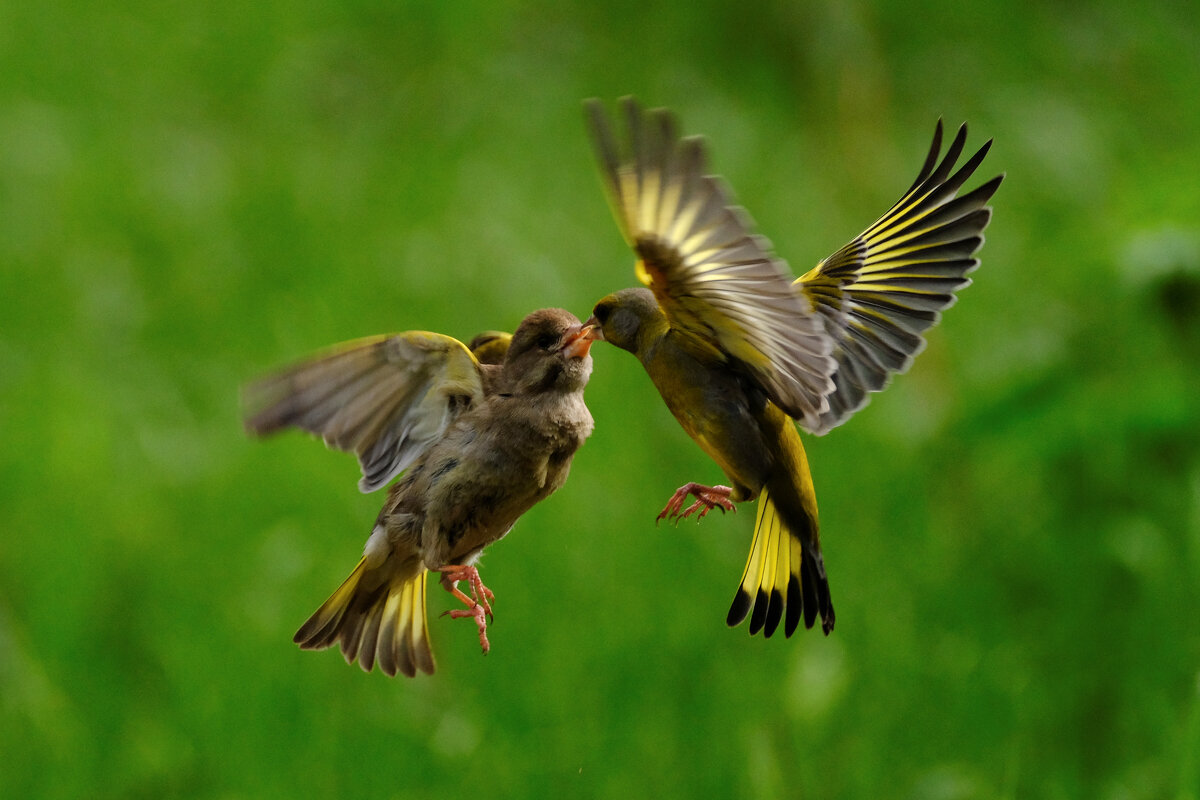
<point x="377" y="614"/>
<point x="779" y="582"/>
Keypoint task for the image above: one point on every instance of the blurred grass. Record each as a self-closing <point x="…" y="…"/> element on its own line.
<point x="192" y="193"/>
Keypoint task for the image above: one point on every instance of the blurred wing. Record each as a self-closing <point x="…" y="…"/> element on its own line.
<point x="385" y="398"/>
<point x="697" y="252"/>
<point x="880" y="292"/>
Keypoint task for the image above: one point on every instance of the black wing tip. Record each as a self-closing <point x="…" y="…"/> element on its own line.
<point x="595" y="110"/>
<point x="312" y="636"/>
<point x="758" y="617"/>
<point x="774" y="613"/>
<point x="261" y="425"/>
<point x="807" y="598"/>
<point x="984" y="191"/>
<point x="770" y="610"/>
<point x="820" y="599"/>
<point x="266" y="406"/>
<point x="630" y="131"/>
<point x="739" y="609"/>
<point x="794" y="607"/>
<point x="593" y="106"/>
<point x="826" y="608"/>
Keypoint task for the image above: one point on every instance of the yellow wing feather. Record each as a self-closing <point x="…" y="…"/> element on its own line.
<point x="882" y="290"/>
<point x="384" y="398"/>
<point x="712" y="275"/>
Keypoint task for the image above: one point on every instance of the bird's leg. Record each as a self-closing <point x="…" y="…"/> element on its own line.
<point x="478" y="605"/>
<point x="707" y="498"/>
<point x="480" y="594"/>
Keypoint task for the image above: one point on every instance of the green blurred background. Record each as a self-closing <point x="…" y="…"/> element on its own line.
<point x="193" y="193"/>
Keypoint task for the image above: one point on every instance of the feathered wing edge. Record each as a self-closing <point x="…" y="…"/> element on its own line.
<point x="382" y="621"/>
<point x="384" y="398"/>
<point x="712" y="275"/>
<point x="881" y="291"/>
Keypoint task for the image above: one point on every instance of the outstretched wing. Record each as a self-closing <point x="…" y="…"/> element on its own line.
<point x="385" y="398"/>
<point x="712" y="276"/>
<point x="880" y="292"/>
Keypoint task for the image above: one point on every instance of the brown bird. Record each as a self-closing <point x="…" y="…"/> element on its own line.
<point x="478" y="446"/>
<point x="735" y="348"/>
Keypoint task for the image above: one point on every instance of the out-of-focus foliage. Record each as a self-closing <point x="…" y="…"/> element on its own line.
<point x="191" y="193"/>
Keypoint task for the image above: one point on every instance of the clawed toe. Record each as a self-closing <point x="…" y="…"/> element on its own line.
<point x="707" y="498"/>
<point x="477" y="613"/>
<point x="478" y="605"/>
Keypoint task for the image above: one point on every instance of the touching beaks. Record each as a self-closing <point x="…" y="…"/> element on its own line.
<point x="578" y="339"/>
<point x="595" y="323"/>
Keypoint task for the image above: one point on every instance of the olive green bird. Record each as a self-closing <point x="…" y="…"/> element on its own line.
<point x="477" y="440"/>
<point x="738" y="350"/>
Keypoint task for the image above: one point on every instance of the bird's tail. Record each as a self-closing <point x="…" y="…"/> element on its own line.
<point x="375" y="617"/>
<point x="785" y="573"/>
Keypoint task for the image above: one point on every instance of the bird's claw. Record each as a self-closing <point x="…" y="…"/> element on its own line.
<point x="477" y="613"/>
<point x="478" y="605"/>
<point x="707" y="498"/>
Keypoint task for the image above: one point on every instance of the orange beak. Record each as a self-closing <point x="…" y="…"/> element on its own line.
<point x="578" y="340"/>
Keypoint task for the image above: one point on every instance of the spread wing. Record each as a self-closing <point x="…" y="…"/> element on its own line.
<point x="385" y="398"/>
<point x="880" y="292"/>
<point x="712" y="276"/>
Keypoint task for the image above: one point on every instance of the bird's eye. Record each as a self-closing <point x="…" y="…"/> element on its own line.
<point x="546" y="341"/>
<point x="602" y="312"/>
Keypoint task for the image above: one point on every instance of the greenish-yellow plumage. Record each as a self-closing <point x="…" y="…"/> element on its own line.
<point x="737" y="349"/>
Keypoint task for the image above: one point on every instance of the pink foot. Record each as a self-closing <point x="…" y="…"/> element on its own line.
<point x="478" y="614"/>
<point x="478" y="605"/>
<point x="707" y="498"/>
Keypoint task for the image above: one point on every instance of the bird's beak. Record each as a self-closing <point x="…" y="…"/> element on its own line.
<point x="595" y="323"/>
<point x="578" y="340"/>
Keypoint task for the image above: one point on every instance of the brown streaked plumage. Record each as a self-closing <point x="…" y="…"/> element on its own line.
<point x="478" y="446"/>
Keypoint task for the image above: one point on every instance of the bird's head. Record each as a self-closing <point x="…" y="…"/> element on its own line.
<point x="628" y="317"/>
<point x="550" y="350"/>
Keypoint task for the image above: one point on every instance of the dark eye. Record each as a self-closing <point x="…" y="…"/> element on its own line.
<point x="546" y="341"/>
<point x="602" y="312"/>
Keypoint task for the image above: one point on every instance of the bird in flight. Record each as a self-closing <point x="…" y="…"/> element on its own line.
<point x="476" y="445"/>
<point x="740" y="351"/>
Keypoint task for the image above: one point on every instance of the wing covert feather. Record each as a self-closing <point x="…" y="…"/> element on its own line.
<point x="697" y="251"/>
<point x="384" y="398"/>
<point x="880" y="292"/>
